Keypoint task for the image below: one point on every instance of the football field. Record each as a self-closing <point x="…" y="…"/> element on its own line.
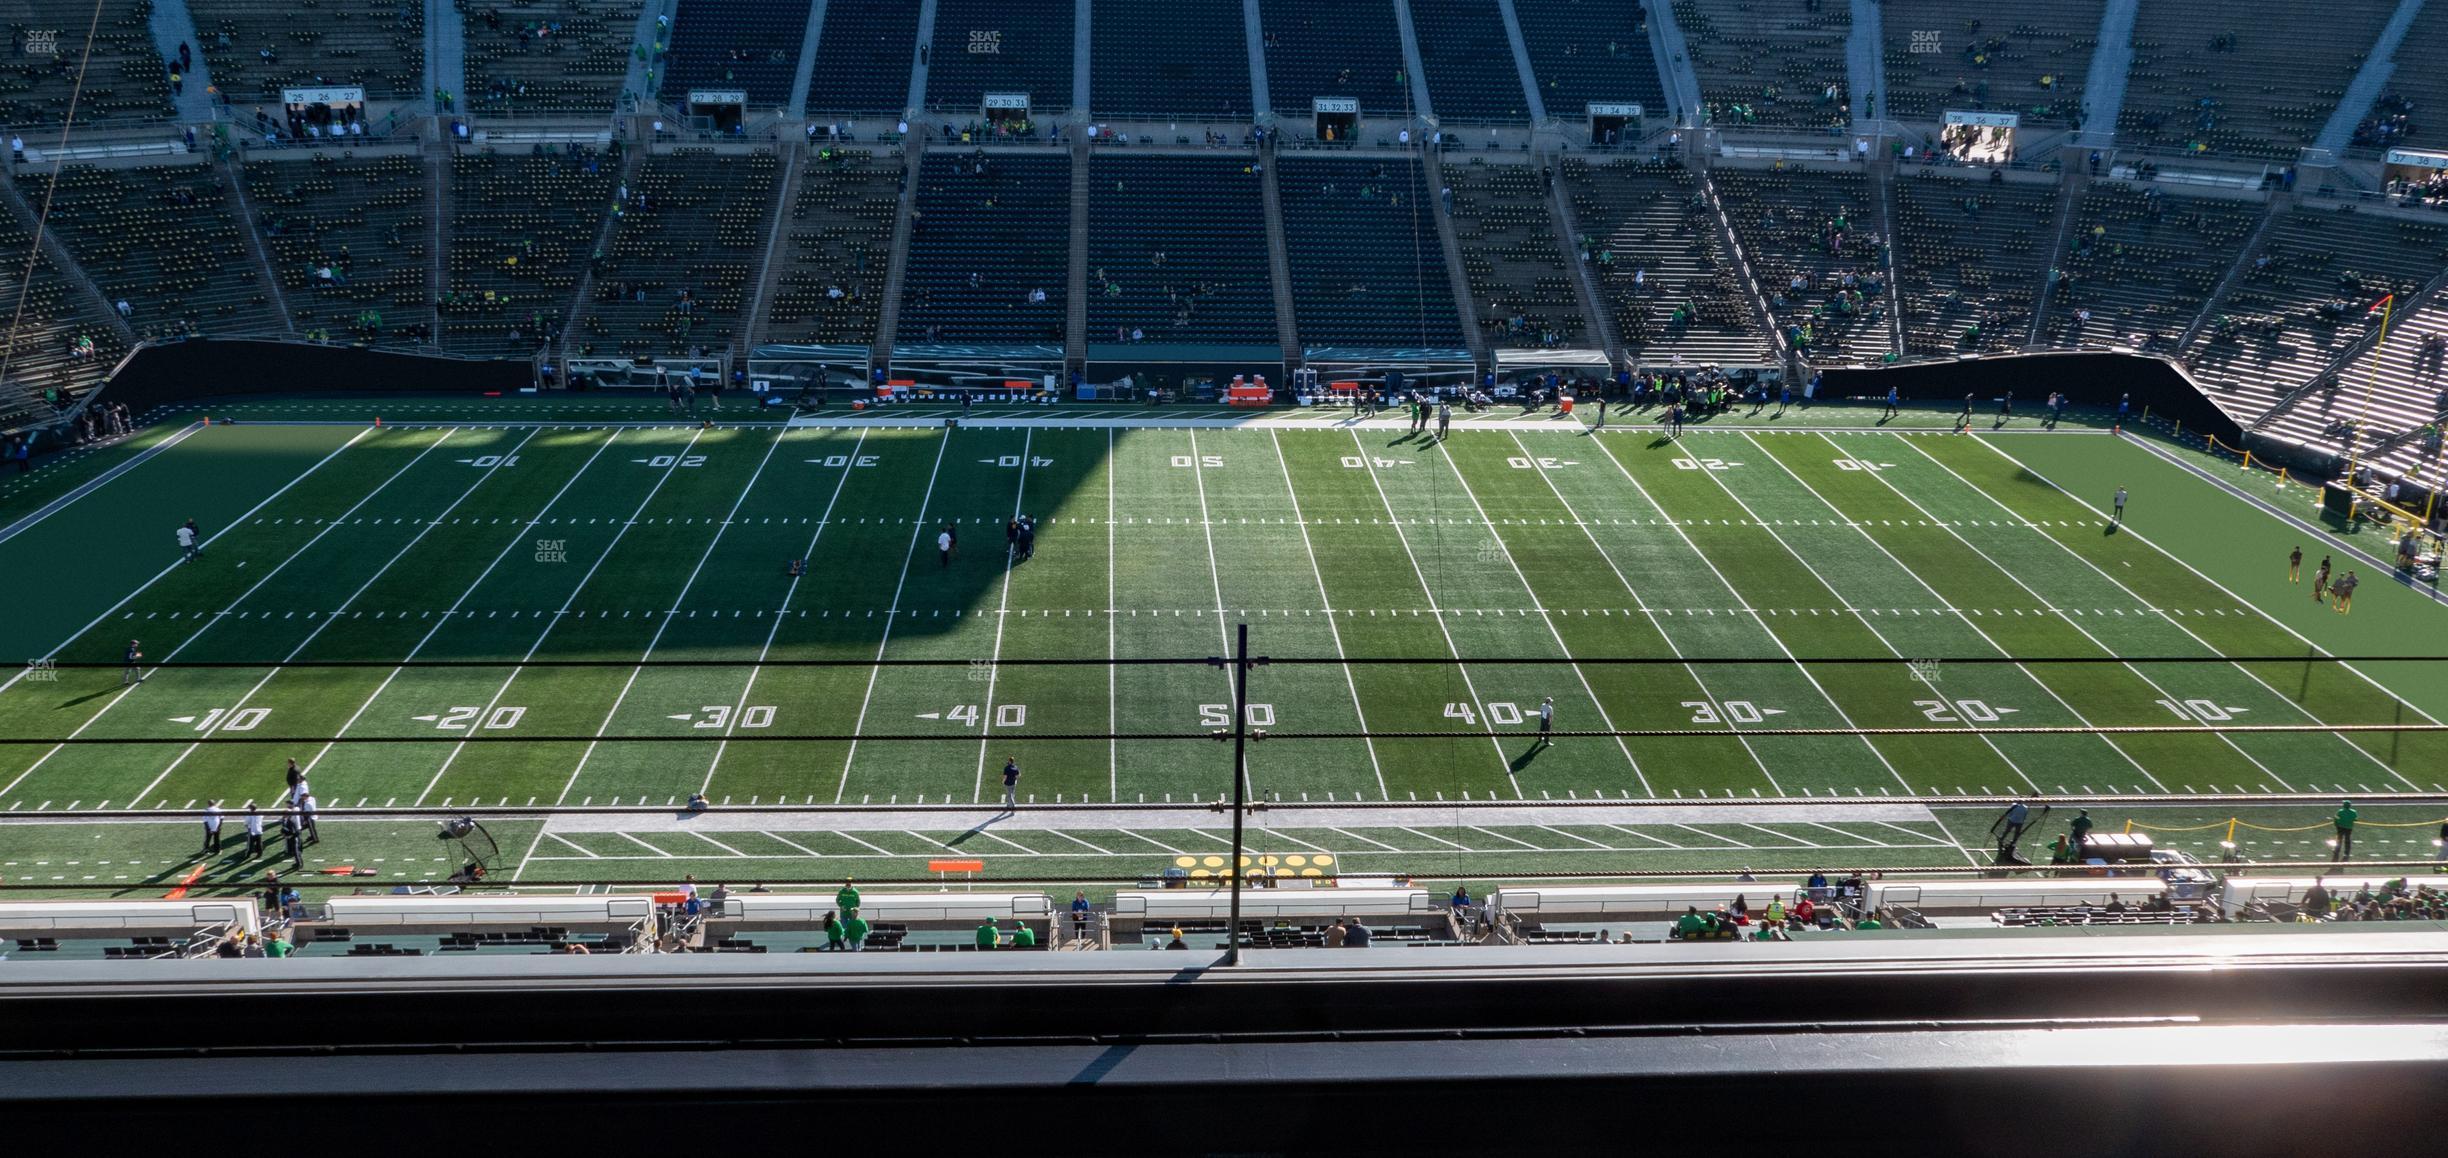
<point x="1768" y="647"/>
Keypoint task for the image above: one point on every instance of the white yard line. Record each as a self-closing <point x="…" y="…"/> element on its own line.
<point x="2189" y="633"/>
<point x="328" y="527"/>
<point x="1541" y="470"/>
<point x="1011" y="560"/>
<point x="555" y="621"/>
<point x="2045" y="602"/>
<point x="582" y="849"/>
<point x="427" y="527"/>
<point x="1958" y="613"/>
<point x="686" y="586"/>
<point x="517" y="537"/>
<point x="175" y="564"/>
<point x="1324" y="600"/>
<point x="1113" y="698"/>
<point x="642" y="844"/>
<point x="780" y="611"/>
<point x="1735" y="594"/>
<point x="1429" y="594"/>
<point x="1875" y="633"/>
<point x="1562" y="648"/>
<point x="1072" y="839"/>
<point x="917" y="528"/>
<point x="1215" y="581"/>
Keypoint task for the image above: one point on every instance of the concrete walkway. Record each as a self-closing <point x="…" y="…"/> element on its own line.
<point x="172" y="25"/>
<point x="445" y="52"/>
<point x="1866" y="68"/>
<point x="2104" y="86"/>
<point x="2378" y="66"/>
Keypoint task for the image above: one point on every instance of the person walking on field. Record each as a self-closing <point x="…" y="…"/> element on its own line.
<point x="133" y="673"/>
<point x="1546" y="719"/>
<point x="186" y="535"/>
<point x="254" y="831"/>
<point x="2320" y="580"/>
<point x="2295" y="565"/>
<point x="1011" y="783"/>
<point x="943" y="547"/>
<point x="2120" y="504"/>
<point x="212" y="828"/>
<point x="2345" y="821"/>
<point x="2344" y="590"/>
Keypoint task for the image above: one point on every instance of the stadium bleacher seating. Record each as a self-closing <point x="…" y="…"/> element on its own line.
<point x="1145" y="67"/>
<point x="365" y="219"/>
<point x="1590" y="50"/>
<point x="1351" y="50"/>
<point x="2417" y="90"/>
<point x="984" y="46"/>
<point x="683" y="251"/>
<point x="1817" y="226"/>
<point x="521" y="230"/>
<point x="751" y="45"/>
<point x="547" y="57"/>
<point x="1371" y="269"/>
<point x="166" y="240"/>
<point x="125" y="77"/>
<point x="2252" y="79"/>
<point x="837" y="237"/>
<point x="1969" y="256"/>
<point x="1178" y="250"/>
<point x="1653" y="244"/>
<point x="1468" y="61"/>
<point x="2406" y="381"/>
<point x="2029" y="60"/>
<point x="2305" y="297"/>
<point x="1521" y="285"/>
<point x="1781" y="65"/>
<point x="255" y="48"/>
<point x="982" y="243"/>
<point x="863" y="58"/>
<point x="2142" y="263"/>
<point x="45" y="353"/>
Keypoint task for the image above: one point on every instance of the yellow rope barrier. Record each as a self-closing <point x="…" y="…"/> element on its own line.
<point x="2265" y="828"/>
<point x="2132" y="825"/>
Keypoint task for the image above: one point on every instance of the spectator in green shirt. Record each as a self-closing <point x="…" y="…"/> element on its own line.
<point x="2346" y="815"/>
<point x="847" y="900"/>
<point x="1691" y="926"/>
<point x="835" y="935"/>
<point x="1024" y="937"/>
<point x="2081" y="831"/>
<point x="1869" y="922"/>
<point x="989" y="937"/>
<point x="854" y="930"/>
<point x="276" y="945"/>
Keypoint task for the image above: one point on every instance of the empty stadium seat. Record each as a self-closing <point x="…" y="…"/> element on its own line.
<point x="1969" y="258"/>
<point x="1648" y="233"/>
<point x="982" y="243"/>
<point x="366" y="219"/>
<point x="2142" y="263"/>
<point x="1521" y="287"/>
<point x="863" y="58"/>
<point x="255" y="48"/>
<point x="837" y="237"/>
<point x="1468" y="60"/>
<point x="125" y="78"/>
<point x="521" y="230"/>
<point x="1177" y="249"/>
<point x="47" y="352"/>
<point x="751" y="45"/>
<point x="1145" y="67"/>
<point x="1352" y="49"/>
<point x="1369" y="269"/>
<point x="676" y="272"/>
<point x="1002" y="46"/>
<point x="2030" y="60"/>
<point x="164" y="239"/>
<point x="1770" y="65"/>
<point x="2251" y="79"/>
<point x="1818" y="226"/>
<point x="529" y="58"/>
<point x="1590" y="51"/>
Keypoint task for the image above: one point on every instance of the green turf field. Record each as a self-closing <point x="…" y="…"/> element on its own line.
<point x="1823" y="618"/>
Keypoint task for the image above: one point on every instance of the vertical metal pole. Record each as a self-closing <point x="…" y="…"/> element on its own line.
<point x="1241" y="667"/>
